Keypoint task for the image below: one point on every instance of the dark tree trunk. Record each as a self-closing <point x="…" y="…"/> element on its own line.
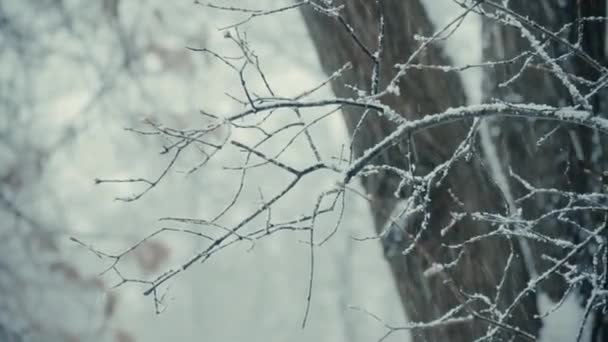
<point x="570" y="157"/>
<point x="422" y="92"/>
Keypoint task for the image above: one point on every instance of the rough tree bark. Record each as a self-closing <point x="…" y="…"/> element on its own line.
<point x="421" y="92"/>
<point x="569" y="157"/>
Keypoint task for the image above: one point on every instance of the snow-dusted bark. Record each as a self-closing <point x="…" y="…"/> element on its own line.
<point x="557" y="53"/>
<point x="353" y="36"/>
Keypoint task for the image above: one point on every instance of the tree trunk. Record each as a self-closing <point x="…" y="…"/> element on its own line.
<point x="424" y="298"/>
<point x="569" y="157"/>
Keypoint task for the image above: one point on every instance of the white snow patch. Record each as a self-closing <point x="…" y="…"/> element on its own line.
<point x="562" y="325"/>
